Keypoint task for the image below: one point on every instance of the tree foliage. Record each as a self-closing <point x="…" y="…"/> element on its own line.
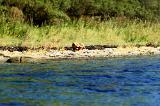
<point x="41" y="12"/>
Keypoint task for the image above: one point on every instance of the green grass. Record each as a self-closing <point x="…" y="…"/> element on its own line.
<point x="111" y="32"/>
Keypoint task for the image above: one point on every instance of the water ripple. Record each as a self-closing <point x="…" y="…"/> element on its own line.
<point x="130" y="81"/>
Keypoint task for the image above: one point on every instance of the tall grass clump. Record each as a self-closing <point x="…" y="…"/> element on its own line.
<point x="111" y="32"/>
<point x="92" y="33"/>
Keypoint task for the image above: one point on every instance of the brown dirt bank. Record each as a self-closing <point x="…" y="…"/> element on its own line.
<point x="41" y="55"/>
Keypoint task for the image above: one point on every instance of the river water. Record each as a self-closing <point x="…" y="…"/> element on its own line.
<point x="127" y="81"/>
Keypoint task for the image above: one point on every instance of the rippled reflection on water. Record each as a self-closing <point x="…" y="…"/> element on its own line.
<point x="133" y="81"/>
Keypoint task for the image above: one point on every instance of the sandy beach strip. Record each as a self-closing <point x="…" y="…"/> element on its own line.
<point x="35" y="55"/>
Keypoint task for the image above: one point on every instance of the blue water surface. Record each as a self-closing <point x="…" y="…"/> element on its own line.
<point x="127" y="81"/>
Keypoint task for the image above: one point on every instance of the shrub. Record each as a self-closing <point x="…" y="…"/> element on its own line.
<point x="35" y="12"/>
<point x="16" y="14"/>
<point x="37" y="15"/>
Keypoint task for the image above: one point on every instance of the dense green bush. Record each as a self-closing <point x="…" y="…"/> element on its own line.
<point x="37" y="12"/>
<point x="113" y="8"/>
<point x="40" y="12"/>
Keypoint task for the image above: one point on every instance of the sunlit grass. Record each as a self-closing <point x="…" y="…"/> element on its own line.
<point x="111" y="32"/>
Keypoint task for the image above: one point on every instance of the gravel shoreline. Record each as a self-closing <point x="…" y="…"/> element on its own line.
<point x="42" y="55"/>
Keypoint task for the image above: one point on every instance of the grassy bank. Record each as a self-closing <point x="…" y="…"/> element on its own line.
<point x="50" y="23"/>
<point x="112" y="32"/>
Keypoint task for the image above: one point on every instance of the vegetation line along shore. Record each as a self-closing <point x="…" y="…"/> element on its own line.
<point x="59" y="23"/>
